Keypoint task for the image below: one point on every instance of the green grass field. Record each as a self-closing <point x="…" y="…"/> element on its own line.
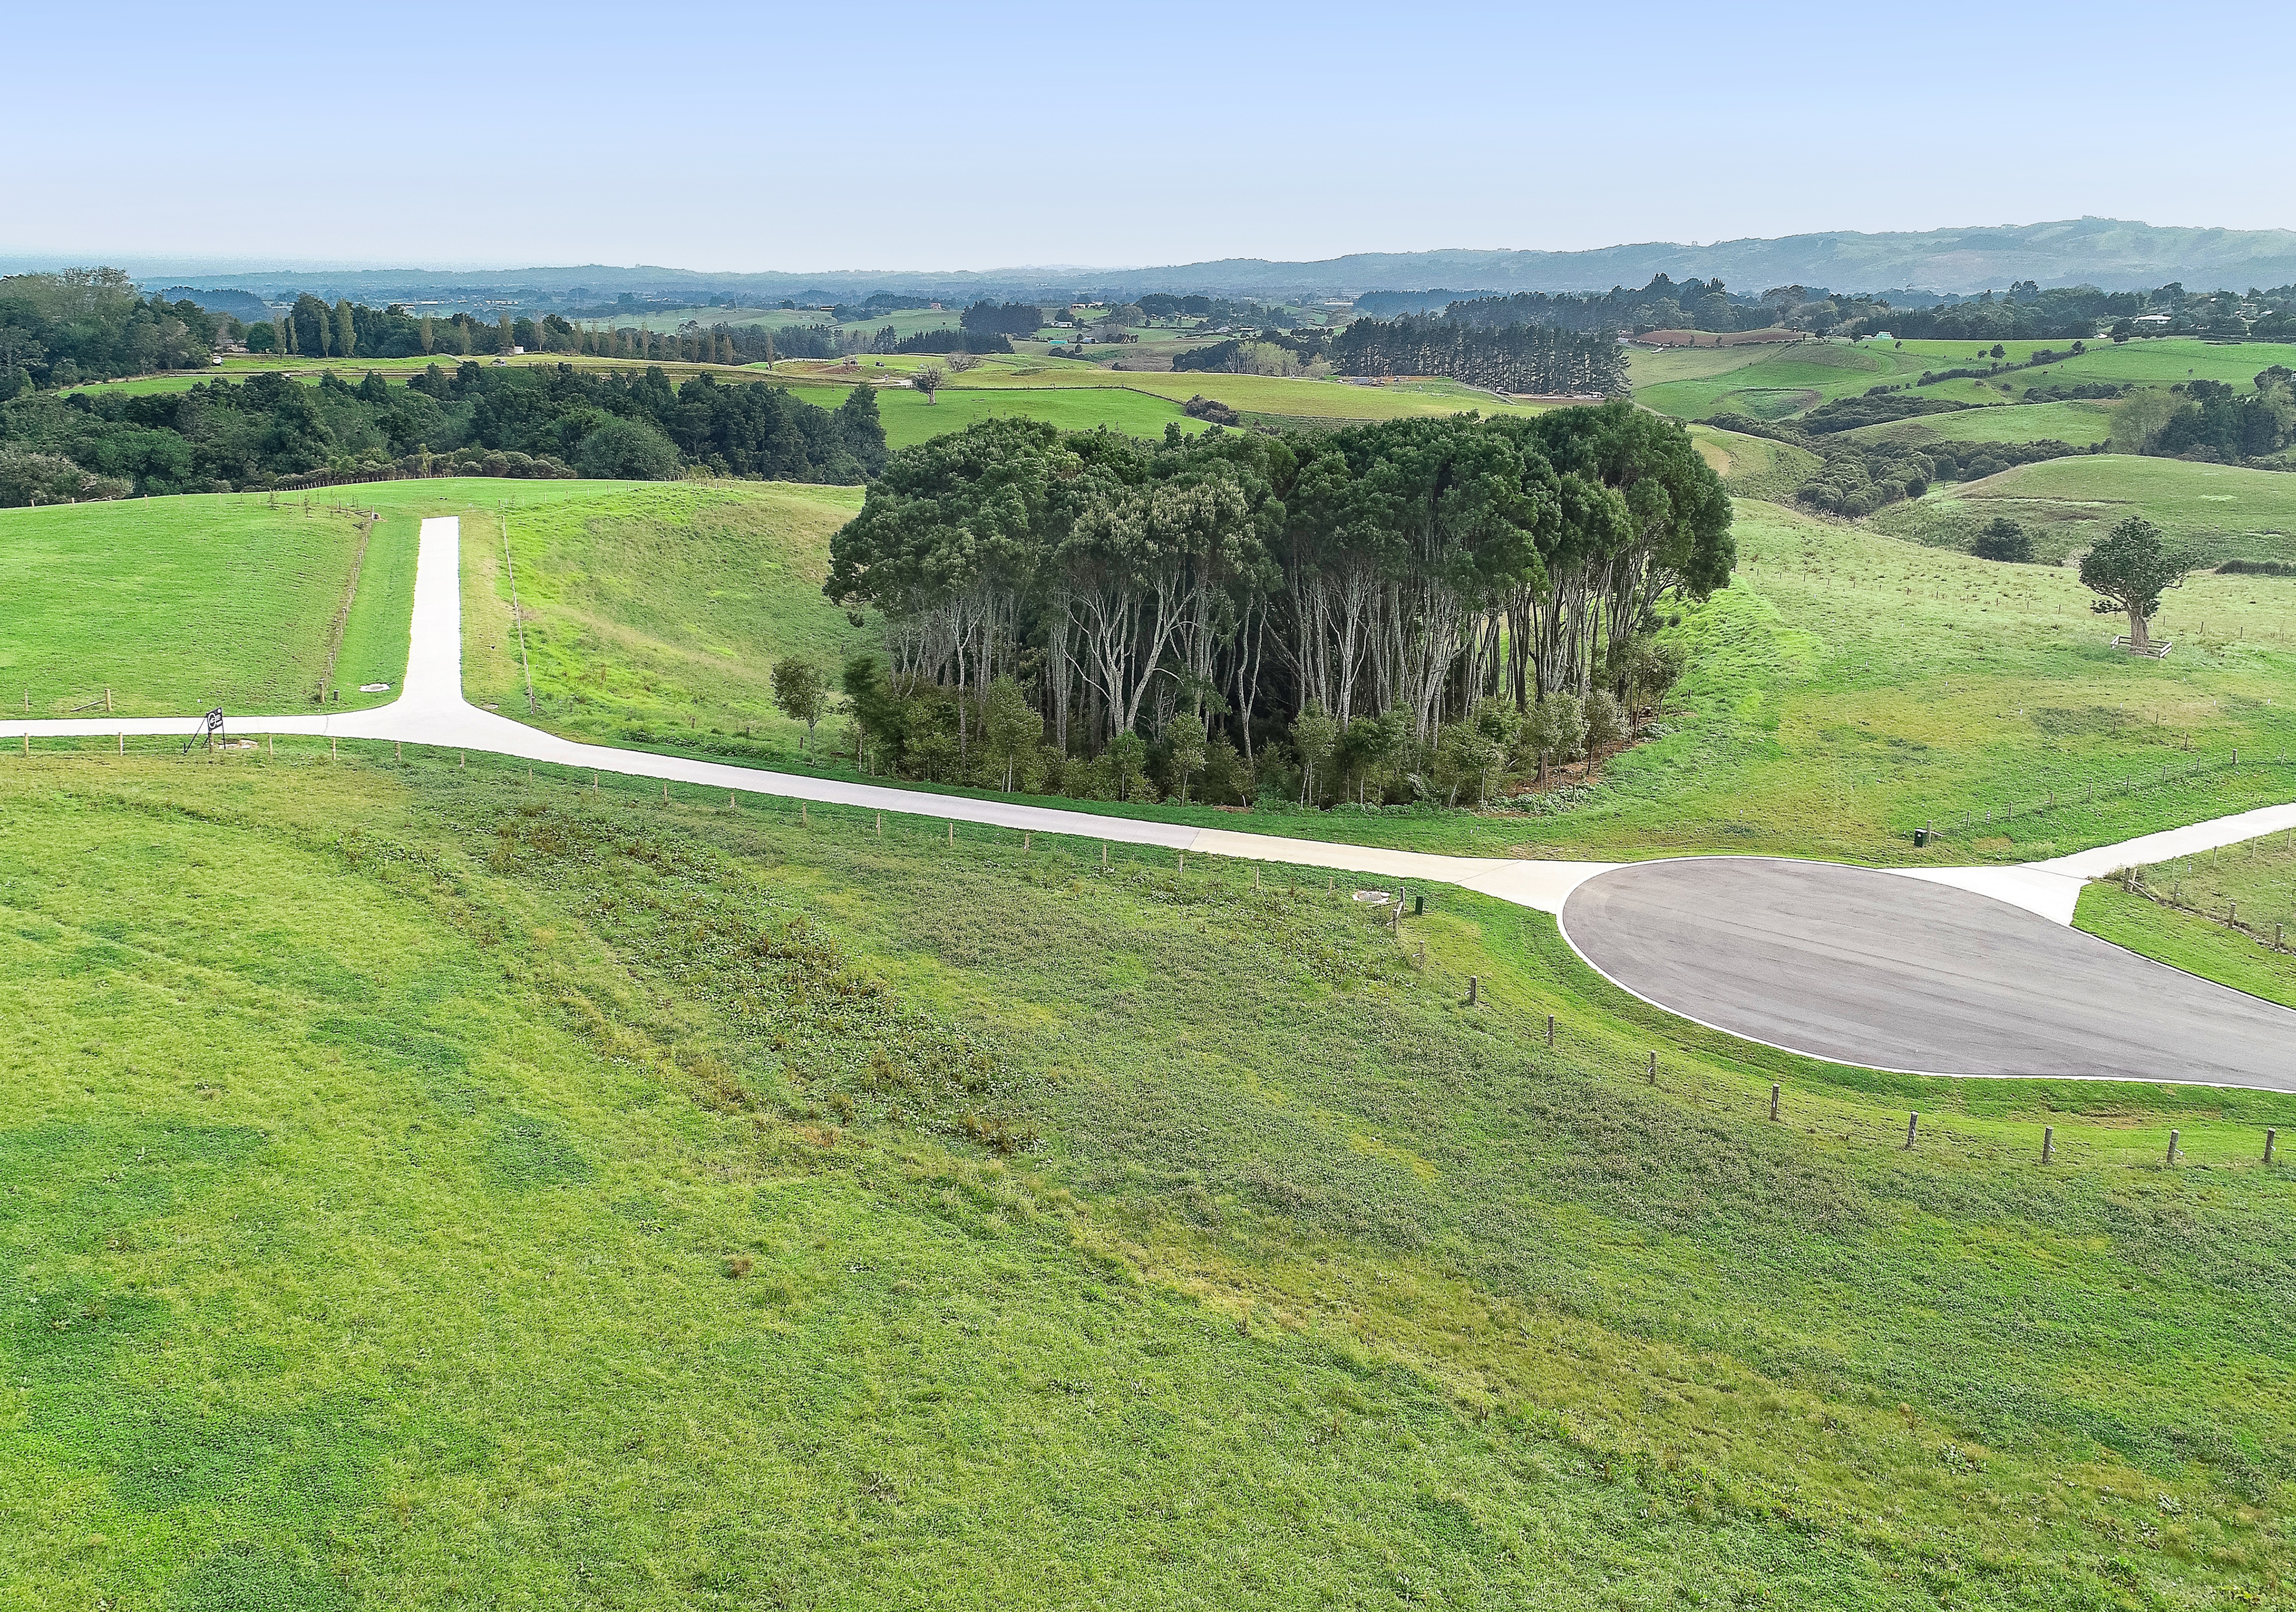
<point x="177" y="604"/>
<point x="2079" y="422"/>
<point x="430" y="1189"/>
<point x="654" y="612"/>
<point x="910" y="418"/>
<point x="1768" y="382"/>
<point x="2218" y="512"/>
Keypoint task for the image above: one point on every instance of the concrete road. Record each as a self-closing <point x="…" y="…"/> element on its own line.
<point x="1862" y="966"/>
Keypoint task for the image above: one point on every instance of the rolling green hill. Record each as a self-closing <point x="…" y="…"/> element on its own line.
<point x="2219" y="511"/>
<point x="427" y="1186"/>
<point x="2079" y="422"/>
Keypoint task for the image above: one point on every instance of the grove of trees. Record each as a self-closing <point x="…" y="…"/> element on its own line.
<point x="1434" y="603"/>
<point x="1508" y="357"/>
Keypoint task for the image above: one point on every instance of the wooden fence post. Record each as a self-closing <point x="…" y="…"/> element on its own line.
<point x="2048" y="1142"/>
<point x="2271" y="1135"/>
<point x="1774" y="1099"/>
<point x="1550" y="1030"/>
<point x="1473" y="984"/>
<point x="1912" y="1120"/>
<point x="2172" y="1147"/>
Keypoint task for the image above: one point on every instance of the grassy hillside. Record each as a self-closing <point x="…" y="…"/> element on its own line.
<point x="1273" y="397"/>
<point x="1754" y="468"/>
<point x="1771" y="383"/>
<point x="179" y="604"/>
<point x="2079" y="422"/>
<point x="1774" y="382"/>
<point x="911" y="417"/>
<point x="2227" y="914"/>
<point x="1848" y="687"/>
<point x="2219" y="512"/>
<point x="654" y="611"/>
<point x="543" y="1198"/>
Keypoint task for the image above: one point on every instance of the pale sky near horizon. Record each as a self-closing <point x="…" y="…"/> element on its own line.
<point x="730" y="137"/>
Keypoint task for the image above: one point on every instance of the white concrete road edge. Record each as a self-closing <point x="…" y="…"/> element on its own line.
<point x="431" y="710"/>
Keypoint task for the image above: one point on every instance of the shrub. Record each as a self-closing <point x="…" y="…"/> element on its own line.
<point x="37" y="478"/>
<point x="2005" y="540"/>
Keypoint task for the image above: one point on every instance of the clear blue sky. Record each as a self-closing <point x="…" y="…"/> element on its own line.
<point x="994" y="133"/>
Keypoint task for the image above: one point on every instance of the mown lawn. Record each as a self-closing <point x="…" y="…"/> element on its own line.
<point x="429" y="1188"/>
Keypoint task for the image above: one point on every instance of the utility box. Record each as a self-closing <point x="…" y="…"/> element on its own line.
<point x="1921" y="837"/>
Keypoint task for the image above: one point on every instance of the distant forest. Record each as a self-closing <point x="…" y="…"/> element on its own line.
<point x="556" y="420"/>
<point x="1510" y="357"/>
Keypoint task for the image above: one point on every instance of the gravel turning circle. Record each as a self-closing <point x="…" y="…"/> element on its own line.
<point x="1867" y="967"/>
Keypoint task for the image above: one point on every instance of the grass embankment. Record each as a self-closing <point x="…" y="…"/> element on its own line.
<point x="177" y="604"/>
<point x="2216" y="511"/>
<point x="656" y="611"/>
<point x="428" y="1188"/>
<point x="2229" y="915"/>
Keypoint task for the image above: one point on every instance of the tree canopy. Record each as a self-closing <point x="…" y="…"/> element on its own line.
<point x="2129" y="569"/>
<point x="624" y="422"/>
<point x="1399" y="572"/>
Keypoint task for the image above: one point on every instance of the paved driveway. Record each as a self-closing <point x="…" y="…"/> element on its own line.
<point x="1863" y="966"/>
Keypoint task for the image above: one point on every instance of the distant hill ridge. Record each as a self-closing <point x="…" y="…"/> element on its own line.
<point x="2111" y="253"/>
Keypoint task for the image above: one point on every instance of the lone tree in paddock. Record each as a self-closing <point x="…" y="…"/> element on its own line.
<point x="801" y="691"/>
<point x="928" y="381"/>
<point x="2130" y="571"/>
